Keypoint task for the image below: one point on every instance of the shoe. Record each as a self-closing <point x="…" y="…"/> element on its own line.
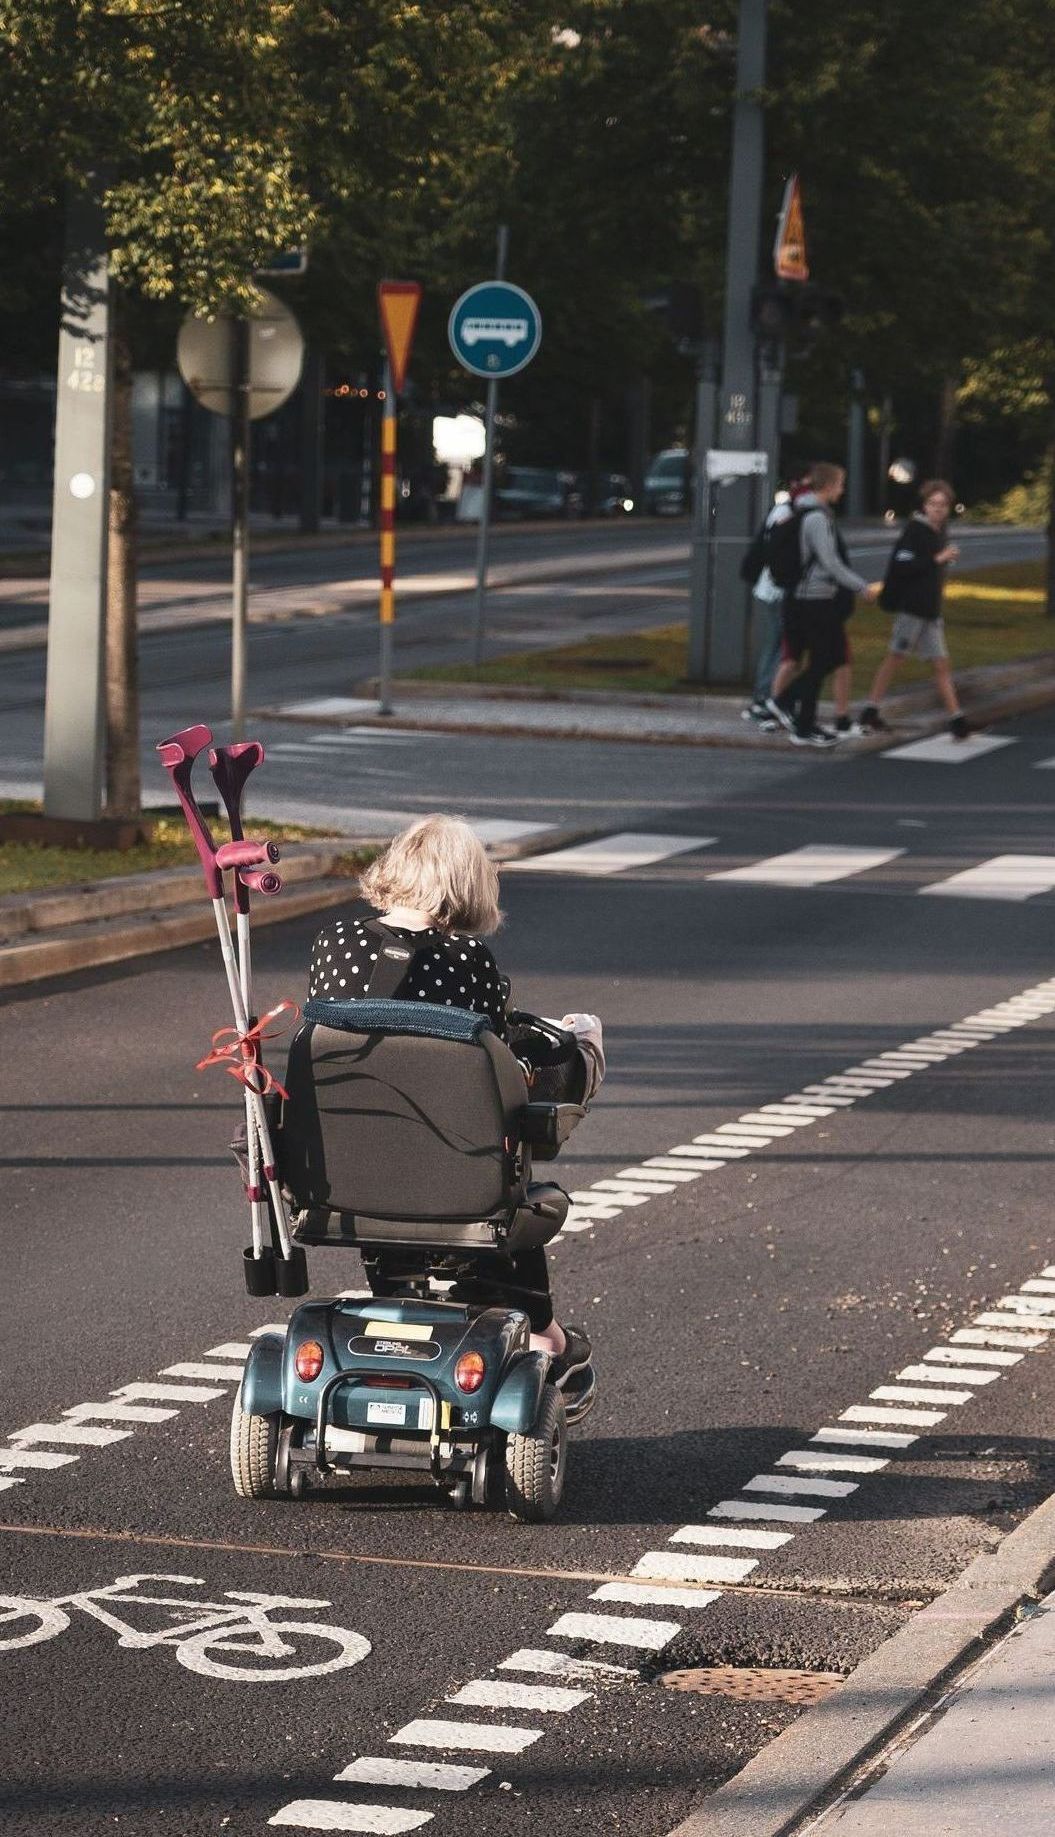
<point x="817" y="736"/>
<point x="871" y="721"/>
<point x="846" y="728"/>
<point x="779" y="714"/>
<point x="575" y="1357"/>
<point x="959" y="727"/>
<point x="756" y="711"/>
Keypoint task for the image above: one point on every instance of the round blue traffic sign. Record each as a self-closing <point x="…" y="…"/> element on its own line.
<point x="494" y="329"/>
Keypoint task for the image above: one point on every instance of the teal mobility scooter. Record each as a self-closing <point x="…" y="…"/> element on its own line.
<point x="408" y="1132"/>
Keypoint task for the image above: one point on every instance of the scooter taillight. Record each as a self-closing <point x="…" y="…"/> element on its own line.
<point x="469" y="1372"/>
<point x="308" y="1360"/>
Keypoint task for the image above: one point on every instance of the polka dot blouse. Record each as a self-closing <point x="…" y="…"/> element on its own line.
<point x="452" y="971"/>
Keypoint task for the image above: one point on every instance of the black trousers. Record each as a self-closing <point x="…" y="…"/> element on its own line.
<point x="820" y="625"/>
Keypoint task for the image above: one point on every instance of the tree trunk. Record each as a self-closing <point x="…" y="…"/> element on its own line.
<point x="122" y="652"/>
<point x="1050" y="467"/>
<point x="946" y="437"/>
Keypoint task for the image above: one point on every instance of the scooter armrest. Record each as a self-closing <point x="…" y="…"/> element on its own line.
<point x="547" y="1126"/>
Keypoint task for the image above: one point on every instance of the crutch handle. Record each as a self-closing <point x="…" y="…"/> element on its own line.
<point x="246" y="854"/>
<point x="260" y="880"/>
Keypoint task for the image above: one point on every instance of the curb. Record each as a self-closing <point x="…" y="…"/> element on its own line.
<point x="806" y="1768"/>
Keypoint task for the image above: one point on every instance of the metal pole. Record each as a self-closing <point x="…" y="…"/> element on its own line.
<point x="484" y="537"/>
<point x="700" y="567"/>
<point x="388" y="543"/>
<point x="735" y="501"/>
<point x="240" y="332"/>
<point x="855" y="447"/>
<point x="75" y="695"/>
<point x="886" y="428"/>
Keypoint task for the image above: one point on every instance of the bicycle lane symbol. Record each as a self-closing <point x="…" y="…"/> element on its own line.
<point x="209" y="1637"/>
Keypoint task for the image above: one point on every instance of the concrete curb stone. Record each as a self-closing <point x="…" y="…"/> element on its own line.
<point x="804" y="1769"/>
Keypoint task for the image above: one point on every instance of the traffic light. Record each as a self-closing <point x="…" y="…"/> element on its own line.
<point x="793" y="309"/>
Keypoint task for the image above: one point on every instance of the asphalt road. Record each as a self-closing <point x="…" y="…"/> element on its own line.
<point x="733" y="1317"/>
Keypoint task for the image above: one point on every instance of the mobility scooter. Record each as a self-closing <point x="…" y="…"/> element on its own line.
<point x="407" y="1131"/>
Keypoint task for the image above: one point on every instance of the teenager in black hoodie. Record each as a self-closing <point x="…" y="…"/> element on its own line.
<point x="912" y="592"/>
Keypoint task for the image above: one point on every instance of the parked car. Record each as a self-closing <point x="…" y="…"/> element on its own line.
<point x="538" y="491"/>
<point x="668" y="483"/>
<point x="615" y="495"/>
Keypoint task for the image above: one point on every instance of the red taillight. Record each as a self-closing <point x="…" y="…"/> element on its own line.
<point x="309" y="1360"/>
<point x="469" y="1371"/>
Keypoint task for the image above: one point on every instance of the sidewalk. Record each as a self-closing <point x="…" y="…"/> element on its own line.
<point x="982" y="1764"/>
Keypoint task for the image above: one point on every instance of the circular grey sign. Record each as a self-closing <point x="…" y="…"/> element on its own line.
<point x="206" y="355"/>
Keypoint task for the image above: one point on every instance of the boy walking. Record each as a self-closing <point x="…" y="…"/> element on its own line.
<point x="912" y="591"/>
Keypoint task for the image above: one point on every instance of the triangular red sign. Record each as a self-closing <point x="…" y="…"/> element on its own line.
<point x="398" y="303"/>
<point x="789" y="250"/>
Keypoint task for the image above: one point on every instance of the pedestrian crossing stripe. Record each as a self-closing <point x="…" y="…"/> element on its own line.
<point x="942" y="749"/>
<point x="811" y="866"/>
<point x="614" y="854"/>
<point x="1015" y="877"/>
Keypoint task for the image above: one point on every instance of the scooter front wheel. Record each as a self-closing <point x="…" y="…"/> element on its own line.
<point x="535" y="1464"/>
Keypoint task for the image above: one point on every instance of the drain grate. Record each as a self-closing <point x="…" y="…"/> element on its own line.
<point x="750" y="1684"/>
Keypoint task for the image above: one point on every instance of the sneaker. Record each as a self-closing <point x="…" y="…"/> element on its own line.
<point x="959" y="727"/>
<point x="779" y="714"/>
<point x="756" y="711"/>
<point x="846" y="728"/>
<point x="575" y="1357"/>
<point x="871" y="721"/>
<point x="817" y="736"/>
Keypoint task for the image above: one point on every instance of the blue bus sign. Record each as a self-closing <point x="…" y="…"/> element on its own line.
<point x="495" y="329"/>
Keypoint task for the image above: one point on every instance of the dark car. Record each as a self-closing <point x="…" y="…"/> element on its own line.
<point x="668" y="483"/>
<point x="537" y="491"/>
<point x="615" y="495"/>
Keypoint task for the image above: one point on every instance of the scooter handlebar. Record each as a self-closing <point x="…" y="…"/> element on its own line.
<point x="260" y="880"/>
<point x="246" y="854"/>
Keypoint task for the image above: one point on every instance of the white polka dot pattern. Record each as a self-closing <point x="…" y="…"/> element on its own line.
<point x="436" y="972"/>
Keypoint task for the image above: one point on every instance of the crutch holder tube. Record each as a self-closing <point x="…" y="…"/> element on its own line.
<point x="258" y="1268"/>
<point x="291" y="1272"/>
<point x="246" y="854"/>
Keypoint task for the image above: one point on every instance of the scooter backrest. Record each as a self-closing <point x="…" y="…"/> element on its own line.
<point x="400" y="1110"/>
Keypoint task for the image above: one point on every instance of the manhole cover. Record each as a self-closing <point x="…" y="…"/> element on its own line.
<point x="754" y="1685"/>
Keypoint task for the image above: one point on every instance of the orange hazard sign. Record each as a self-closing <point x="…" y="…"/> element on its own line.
<point x="398" y="303"/>
<point x="789" y="250"/>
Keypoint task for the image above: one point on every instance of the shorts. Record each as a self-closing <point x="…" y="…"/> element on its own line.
<point x="795" y="640"/>
<point x="912" y="637"/>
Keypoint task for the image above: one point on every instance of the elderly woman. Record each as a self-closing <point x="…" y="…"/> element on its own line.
<point x="436" y="891"/>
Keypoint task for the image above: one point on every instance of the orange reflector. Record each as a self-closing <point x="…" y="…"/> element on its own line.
<point x="469" y="1371"/>
<point x="309" y="1359"/>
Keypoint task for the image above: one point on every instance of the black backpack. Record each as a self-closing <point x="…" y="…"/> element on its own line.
<point x="783" y="551"/>
<point x="754" y="559"/>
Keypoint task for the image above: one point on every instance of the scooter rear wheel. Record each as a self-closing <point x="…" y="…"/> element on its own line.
<point x="254" y="1444"/>
<point x="535" y="1463"/>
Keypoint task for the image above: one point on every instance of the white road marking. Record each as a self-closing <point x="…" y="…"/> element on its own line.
<point x="704" y="1163"/>
<point x="958" y="1374"/>
<point x="642" y="1594"/>
<point x="68" y="1432"/>
<point x="1032" y="1305"/>
<point x="812" y="866"/>
<point x="585" y="1198"/>
<point x="812" y="1461"/>
<point x="440" y="1776"/>
<point x="942" y="749"/>
<point x="231" y="1349"/>
<point x="489" y="1737"/>
<point x="1004" y="877"/>
<point x="34" y="1457"/>
<point x="863" y="1438"/>
<point x="701" y="1144"/>
<point x="961" y="1355"/>
<point x="796" y="1112"/>
<point x="916" y="1393"/>
<point x="972" y="1336"/>
<point x="338" y="1815"/>
<point x="757" y="1508"/>
<point x="615" y="1630"/>
<point x="234" y="1373"/>
<point x="563" y="1665"/>
<point x="616" y="854"/>
<point x="881" y="1412"/>
<point x="7" y="1480"/>
<point x="633" y="1183"/>
<point x="829" y="1094"/>
<point x="783" y="1484"/>
<point x="119" y="1412"/>
<point x="167" y="1393"/>
<point x="737" y="1540"/>
<point x="502" y="1693"/>
<point x="676" y="1171"/>
<point x="676" y="1566"/>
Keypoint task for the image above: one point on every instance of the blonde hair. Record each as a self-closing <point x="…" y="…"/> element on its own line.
<point x="437" y="866"/>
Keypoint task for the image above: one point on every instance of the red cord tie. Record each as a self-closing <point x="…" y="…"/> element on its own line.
<point x="245" y="1049"/>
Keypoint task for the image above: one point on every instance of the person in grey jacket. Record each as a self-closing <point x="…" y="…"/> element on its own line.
<point x="817" y="611"/>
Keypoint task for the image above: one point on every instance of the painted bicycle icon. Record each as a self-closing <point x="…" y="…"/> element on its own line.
<point x="233" y="1639"/>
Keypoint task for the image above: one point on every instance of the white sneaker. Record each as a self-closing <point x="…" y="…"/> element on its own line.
<point x="780" y="715"/>
<point x="817" y="736"/>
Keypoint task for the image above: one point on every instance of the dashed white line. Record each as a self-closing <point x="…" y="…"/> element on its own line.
<point x="881" y="1412"/>
<point x="646" y="1594"/>
<point x="718" y="1535"/>
<point x="489" y="1737"/>
<point x="501" y="1693"/>
<point x="676" y="1566"/>
<point x="969" y="1355"/>
<point x="84" y="1433"/>
<point x="917" y="1393"/>
<point x="792" y="1488"/>
<point x="190" y="1369"/>
<point x="338" y="1815"/>
<point x="811" y="1460"/>
<point x="438" y="1775"/>
<point x="952" y="1374"/>
<point x="757" y="1508"/>
<point x="615" y="1630"/>
<point x="562" y="1664"/>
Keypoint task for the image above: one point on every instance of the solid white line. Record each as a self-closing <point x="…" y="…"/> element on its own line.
<point x="68" y="1432"/>
<point x="563" y="1665"/>
<point x="863" y="1438"/>
<point x="737" y="1540"/>
<point x="216" y="1372"/>
<point x="119" y="1412"/>
<point x="502" y="1693"/>
<point x="641" y="1594"/>
<point x="958" y="1374"/>
<point x="882" y="1412"/>
<point x="490" y="1737"/>
<point x="167" y="1393"/>
<point x="675" y="1566"/>
<point x="811" y="866"/>
<point x="971" y="1336"/>
<point x="809" y="1459"/>
<point x="960" y="1355"/>
<point x="914" y="1393"/>
<point x="1012" y="877"/>
<point x="231" y="1349"/>
<point x="615" y="1630"/>
<point x="441" y="1776"/>
<point x="784" y="1484"/>
<point x="34" y="1457"/>
<point x="338" y="1815"/>
<point x="617" y="854"/>
<point x="757" y="1508"/>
